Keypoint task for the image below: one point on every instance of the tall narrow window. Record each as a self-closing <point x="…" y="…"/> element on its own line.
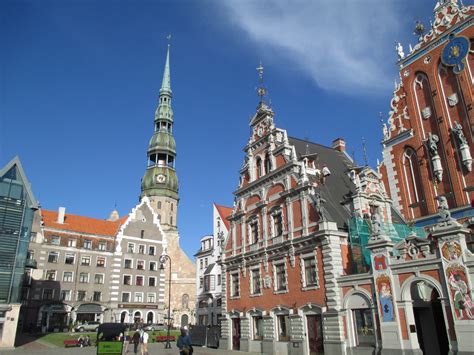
<point x="268" y="163"/>
<point x="412" y="179"/>
<point x="259" y="168"/>
<point x="253" y="232"/>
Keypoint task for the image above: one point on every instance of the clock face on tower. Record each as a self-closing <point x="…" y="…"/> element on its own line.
<point x="160" y="178"/>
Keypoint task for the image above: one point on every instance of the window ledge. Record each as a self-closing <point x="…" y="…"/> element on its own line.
<point x="279" y="292"/>
<point x="309" y="288"/>
<point x="256" y="294"/>
<point x="234" y="297"/>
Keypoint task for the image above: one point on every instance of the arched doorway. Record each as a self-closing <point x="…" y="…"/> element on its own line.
<point x="184" y="320"/>
<point x="360" y="320"/>
<point x="150" y="317"/>
<point x="429" y="318"/>
<point x="122" y="316"/>
<point x="137" y="317"/>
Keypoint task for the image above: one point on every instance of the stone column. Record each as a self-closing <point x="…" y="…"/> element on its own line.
<point x="268" y="334"/>
<point x="333" y="327"/>
<point x="224" y="341"/>
<point x="244" y="332"/>
<point x="297" y="334"/>
<point x="451" y="238"/>
<point x="380" y="247"/>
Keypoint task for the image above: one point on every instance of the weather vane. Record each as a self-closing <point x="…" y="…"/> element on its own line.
<point x="261" y="91"/>
<point x="169" y="39"/>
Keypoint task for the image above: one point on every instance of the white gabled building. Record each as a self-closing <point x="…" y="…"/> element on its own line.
<point x="208" y="271"/>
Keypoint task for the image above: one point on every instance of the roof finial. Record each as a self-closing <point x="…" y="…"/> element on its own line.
<point x="261" y="91"/>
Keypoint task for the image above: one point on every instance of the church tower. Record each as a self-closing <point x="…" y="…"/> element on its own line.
<point x="160" y="183"/>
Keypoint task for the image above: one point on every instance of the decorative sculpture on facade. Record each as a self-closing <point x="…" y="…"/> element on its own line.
<point x="432" y="145"/>
<point x="464" y="151"/>
<point x="443" y="210"/>
<point x="318" y="205"/>
<point x="376" y="225"/>
<point x="400" y="52"/>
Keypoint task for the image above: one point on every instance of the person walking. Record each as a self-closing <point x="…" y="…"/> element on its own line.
<point x="126" y="341"/>
<point x="184" y="342"/>
<point x="136" y="341"/>
<point x="144" y="346"/>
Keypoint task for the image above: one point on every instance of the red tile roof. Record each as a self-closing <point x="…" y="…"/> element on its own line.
<point x="81" y="224"/>
<point x="224" y="212"/>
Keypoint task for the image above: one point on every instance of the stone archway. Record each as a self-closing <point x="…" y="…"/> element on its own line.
<point x="184" y="320"/>
<point x="360" y="319"/>
<point x="150" y="317"/>
<point x="123" y="315"/>
<point x="425" y="316"/>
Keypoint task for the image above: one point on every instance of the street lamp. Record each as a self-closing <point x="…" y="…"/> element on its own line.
<point x="163" y="259"/>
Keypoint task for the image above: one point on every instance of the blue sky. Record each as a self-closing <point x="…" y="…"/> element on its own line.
<point x="80" y="81"/>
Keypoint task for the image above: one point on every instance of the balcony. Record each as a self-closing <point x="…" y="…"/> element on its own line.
<point x="30" y="264"/>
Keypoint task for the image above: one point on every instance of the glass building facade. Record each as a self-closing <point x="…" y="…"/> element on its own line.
<point x="17" y="207"/>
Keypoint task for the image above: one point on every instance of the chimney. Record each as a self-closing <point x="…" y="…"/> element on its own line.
<point x="61" y="214"/>
<point x="339" y="144"/>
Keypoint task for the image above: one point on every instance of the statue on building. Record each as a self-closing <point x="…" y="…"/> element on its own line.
<point x="433" y="144"/>
<point x="400" y="52"/>
<point x="443" y="209"/>
<point x="318" y="205"/>
<point x="376" y="224"/>
<point x="458" y="132"/>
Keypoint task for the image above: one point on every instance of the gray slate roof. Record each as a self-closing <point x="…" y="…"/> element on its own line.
<point x="338" y="185"/>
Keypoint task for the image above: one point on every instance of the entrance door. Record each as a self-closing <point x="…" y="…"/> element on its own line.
<point x="315" y="334"/>
<point x="235" y="333"/>
<point x="184" y="320"/>
<point x="430" y="327"/>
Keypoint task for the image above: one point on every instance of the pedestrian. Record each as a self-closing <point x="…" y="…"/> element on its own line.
<point x="184" y="342"/>
<point x="144" y="346"/>
<point x="136" y="341"/>
<point x="126" y="341"/>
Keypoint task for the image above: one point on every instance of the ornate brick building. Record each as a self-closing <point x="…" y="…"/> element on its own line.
<point x="428" y="140"/>
<point x="319" y="255"/>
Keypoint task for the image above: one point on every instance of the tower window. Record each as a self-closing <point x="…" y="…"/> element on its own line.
<point x="142" y="234"/>
<point x="171" y="207"/>
<point x="158" y="205"/>
<point x="171" y="220"/>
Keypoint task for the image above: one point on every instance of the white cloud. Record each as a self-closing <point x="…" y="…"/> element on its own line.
<point x="343" y="45"/>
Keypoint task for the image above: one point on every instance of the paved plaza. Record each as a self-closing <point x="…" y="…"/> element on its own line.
<point x="40" y="349"/>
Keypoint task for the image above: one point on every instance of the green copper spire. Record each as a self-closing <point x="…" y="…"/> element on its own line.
<point x="166" y="84"/>
<point x="160" y="178"/>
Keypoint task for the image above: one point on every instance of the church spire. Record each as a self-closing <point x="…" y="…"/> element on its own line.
<point x="166" y="84"/>
<point x="160" y="182"/>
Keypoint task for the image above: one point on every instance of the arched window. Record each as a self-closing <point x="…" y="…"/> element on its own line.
<point x="171" y="220"/>
<point x="158" y="205"/>
<point x="185" y="301"/>
<point x="268" y="163"/>
<point x="259" y="168"/>
<point x="413" y="184"/>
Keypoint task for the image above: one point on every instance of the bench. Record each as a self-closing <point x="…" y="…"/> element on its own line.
<point x="160" y="338"/>
<point x="71" y="342"/>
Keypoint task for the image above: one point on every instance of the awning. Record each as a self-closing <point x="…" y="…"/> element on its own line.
<point x="89" y="308"/>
